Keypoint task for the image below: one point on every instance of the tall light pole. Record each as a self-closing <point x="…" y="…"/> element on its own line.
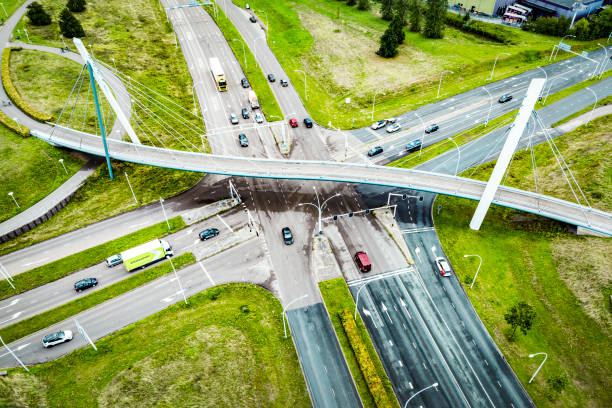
<point x="536" y="372"/>
<point x="495" y="63"/>
<point x="11" y="194"/>
<point x="5" y="13"/>
<point x="423" y="140"/>
<point x="440" y="84"/>
<point x="417" y="393"/>
<point x="114" y="63"/>
<point x="477" y="270"/>
<point x="177" y="279"/>
<point x="305" y="88"/>
<point x="161" y="202"/>
<point x="458" y="157"/>
<point x="357" y="298"/>
<point x="320" y="206"/>
<point x="16" y="120"/>
<point x="243" y="52"/>
<point x="552" y="81"/>
<point x="13" y="354"/>
<point x="374" y="102"/>
<point x="63" y="165"/>
<point x="545" y="79"/>
<point x="285" y="311"/>
<point x="490" y="105"/>
<point x="267" y="25"/>
<point x="595" y="95"/>
<point x="605" y="60"/>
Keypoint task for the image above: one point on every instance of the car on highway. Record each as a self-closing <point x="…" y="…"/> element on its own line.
<point x="233" y="118"/>
<point x="85" y="284"/>
<point x="414" y="145"/>
<point x="308" y="122"/>
<point x="245" y="83"/>
<point x="271" y="78"/>
<point x="379" y="124"/>
<point x="244" y="142"/>
<point x="284" y="82"/>
<point x="245" y="113"/>
<point x="293" y="122"/>
<point x="208" y="233"/>
<point x="374" y="151"/>
<point x="258" y="118"/>
<point x="287" y="236"/>
<point x="252" y="19"/>
<point x="432" y="128"/>
<point x="505" y="98"/>
<point x="443" y="266"/>
<point x="363" y="262"/>
<point x="113" y="260"/>
<point x="56" y="338"/>
<point x="391" y="120"/>
<point x="394" y="127"/>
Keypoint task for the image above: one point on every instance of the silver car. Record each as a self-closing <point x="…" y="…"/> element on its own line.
<point x="258" y="118"/>
<point x="233" y="119"/>
<point x="56" y="338"/>
<point x="393" y="128"/>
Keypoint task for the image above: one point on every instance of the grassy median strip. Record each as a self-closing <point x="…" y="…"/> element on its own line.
<point x="445" y="145"/>
<point x="603" y="102"/>
<point x="45" y="319"/>
<point x="256" y="77"/>
<point x="75" y="262"/>
<point x="337" y="298"/>
<point x="557" y="96"/>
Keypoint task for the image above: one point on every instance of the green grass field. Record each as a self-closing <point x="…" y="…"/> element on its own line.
<point x="8" y="8"/>
<point x="219" y="351"/>
<point x="31" y="170"/>
<point x="337" y="297"/>
<point x="565" y="277"/>
<point x="335" y="45"/>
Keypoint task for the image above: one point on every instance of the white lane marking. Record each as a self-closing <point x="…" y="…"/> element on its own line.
<point x="14" y="316"/>
<point x="11" y="304"/>
<point x="17" y="349"/>
<point x="225" y="223"/>
<point x="367" y="313"/>
<point x="384" y="308"/>
<point x="410" y="385"/>
<point x="35" y="262"/>
<point x="391" y="343"/>
<point x="138" y="225"/>
<point x="206" y="272"/>
<point x="405" y="308"/>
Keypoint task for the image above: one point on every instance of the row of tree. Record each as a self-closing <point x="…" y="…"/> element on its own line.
<point x="68" y="23"/>
<point x="397" y="11"/>
<point x="589" y="28"/>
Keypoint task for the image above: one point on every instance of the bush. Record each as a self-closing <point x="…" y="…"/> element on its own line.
<point x="213" y="293"/>
<point x="489" y="31"/>
<point x="12" y="93"/>
<point x="14" y="126"/>
<point x="37" y="15"/>
<point x="366" y="365"/>
<point x="70" y="26"/>
<point x="76" y="5"/>
<point x="558" y="382"/>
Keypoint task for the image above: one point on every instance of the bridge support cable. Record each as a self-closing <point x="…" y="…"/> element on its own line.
<point x="68" y="100"/>
<point x="80" y="79"/>
<point x="86" y="106"/>
<point x="95" y="96"/>
<point x="535" y="87"/>
<point x="534" y="165"/>
<point x="141" y="123"/>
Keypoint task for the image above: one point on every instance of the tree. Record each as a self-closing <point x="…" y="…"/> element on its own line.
<point x="520" y="316"/>
<point x="363" y="5"/>
<point x="397" y="26"/>
<point x="351" y="2"/>
<point x="435" y="15"/>
<point x="76" y="5"/>
<point x="69" y="25"/>
<point x="401" y="7"/>
<point x="582" y="31"/>
<point x="386" y="10"/>
<point x="37" y="15"/>
<point x="388" y="44"/>
<point x="415" y="16"/>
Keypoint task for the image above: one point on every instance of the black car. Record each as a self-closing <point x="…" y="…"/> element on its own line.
<point x="208" y="233"/>
<point x="308" y="122"/>
<point x="287" y="236"/>
<point x="432" y="128"/>
<point x="414" y="145"/>
<point x="271" y="78"/>
<point x="375" y="151"/>
<point x="244" y="142"/>
<point x="505" y="98"/>
<point x="85" y="284"/>
<point x="245" y="113"/>
<point x="245" y="83"/>
<point x="284" y="83"/>
<point x="252" y="19"/>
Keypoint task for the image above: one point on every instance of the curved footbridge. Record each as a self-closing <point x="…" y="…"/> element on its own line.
<point x="561" y="210"/>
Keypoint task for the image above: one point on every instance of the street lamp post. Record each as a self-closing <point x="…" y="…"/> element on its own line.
<point x="374" y="102"/>
<point x="545" y="79"/>
<point x="114" y="63"/>
<point x="357" y="298"/>
<point x="417" y="393"/>
<point x="320" y="206"/>
<point x="243" y="52"/>
<point x="552" y="81"/>
<point x="595" y="95"/>
<point x="5" y="13"/>
<point x="490" y="105"/>
<point x="458" y="157"/>
<point x="536" y="372"/>
<point x="477" y="270"/>
<point x="285" y="311"/>
<point x="423" y="140"/>
<point x="17" y="122"/>
<point x="177" y="279"/>
<point x="13" y="354"/>
<point x="161" y="202"/>
<point x="11" y="194"/>
<point x="605" y="60"/>
<point x="63" y="165"/>
<point x="495" y="63"/>
<point x="305" y="88"/>
<point x="440" y="84"/>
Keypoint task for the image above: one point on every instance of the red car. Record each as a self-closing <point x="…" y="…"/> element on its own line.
<point x="293" y="122"/>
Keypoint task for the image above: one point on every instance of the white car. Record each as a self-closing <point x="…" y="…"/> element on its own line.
<point x="379" y="124"/>
<point x="391" y="120"/>
<point x="258" y="118"/>
<point x="443" y="266"/>
<point x="56" y="338"/>
<point x="393" y="128"/>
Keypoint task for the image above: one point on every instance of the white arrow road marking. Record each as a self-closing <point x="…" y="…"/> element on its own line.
<point x="405" y="308"/>
<point x="417" y="251"/>
<point x="14" y="316"/>
<point x="17" y="349"/>
<point x="384" y="308"/>
<point x="367" y="313"/>
<point x="11" y="304"/>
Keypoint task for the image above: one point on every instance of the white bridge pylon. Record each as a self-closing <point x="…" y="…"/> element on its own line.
<point x="99" y="78"/>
